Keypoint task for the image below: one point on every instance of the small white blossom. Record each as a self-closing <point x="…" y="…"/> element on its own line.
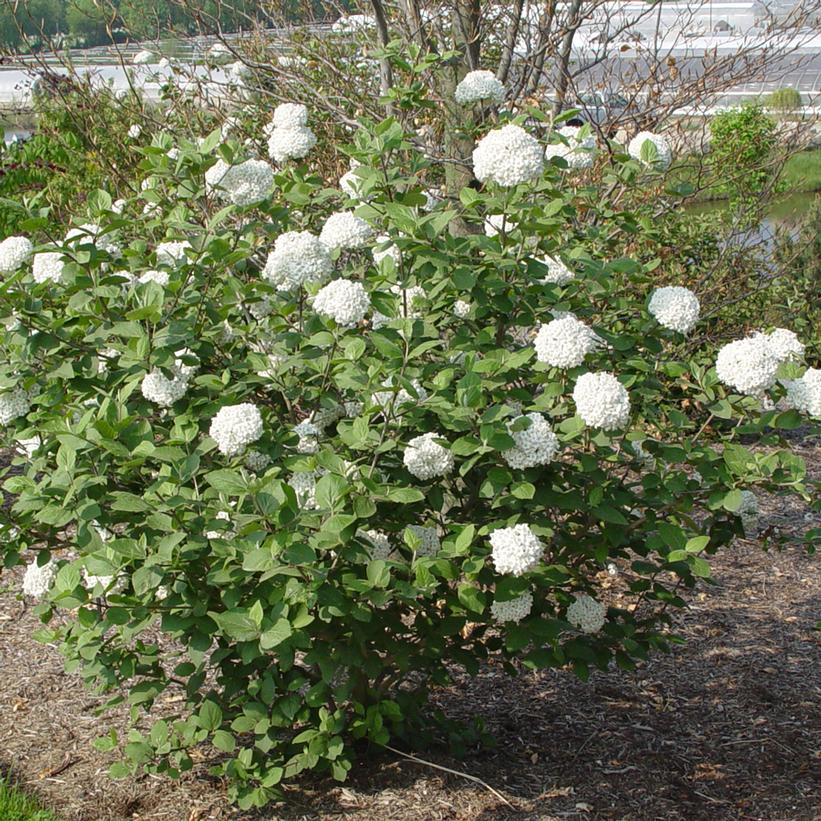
<point x="535" y="445"/>
<point x="508" y="156"/>
<point x="244" y="184"/>
<point x="298" y="258"/>
<point x="586" y="614"/>
<point x="161" y="278"/>
<point x="515" y="549"/>
<point x="235" y="427"/>
<point x="345" y="230"/>
<point x="514" y="610"/>
<point x="38" y="580"/>
<point x="14" y="252"/>
<point x="461" y="309"/>
<point x="304" y="486"/>
<point x="565" y="342"/>
<point x="602" y="401"/>
<point x="557" y="272"/>
<point x="344" y="301"/>
<point x="47" y="267"/>
<point x="13" y="404"/>
<point x="257" y="461"/>
<point x="785" y="344"/>
<point x="429" y="538"/>
<point x="749" y="365"/>
<point x="378" y="544"/>
<point x="172" y="252"/>
<point x="479" y="85"/>
<point x="135" y="131"/>
<point x="804" y="394"/>
<point x="426" y="459"/>
<point x="664" y="154"/>
<point x="290" y="143"/>
<point x="675" y="308"/>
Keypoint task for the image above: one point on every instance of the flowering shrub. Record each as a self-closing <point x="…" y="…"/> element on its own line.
<point x="264" y="461"/>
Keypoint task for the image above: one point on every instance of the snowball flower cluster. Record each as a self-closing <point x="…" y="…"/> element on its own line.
<point x="429" y="538"/>
<point x="304" y="487"/>
<point x="461" y="309"/>
<point x="47" y="267"/>
<point x="586" y="614"/>
<point x="804" y="394"/>
<point x="384" y="398"/>
<point x="289" y="137"/>
<point x="235" y="427"/>
<point x="298" y="258"/>
<point x="508" y="156"/>
<point x="664" y="154"/>
<point x="172" y="252"/>
<point x="514" y="610"/>
<point x="535" y="445"/>
<point x="92" y="234"/>
<point x="142" y="58"/>
<point x="160" y="278"/>
<point x="785" y="344"/>
<point x="158" y="388"/>
<point x="675" y="308"/>
<point x="14" y="251"/>
<point x="135" y="131"/>
<point x="565" y="342"/>
<point x="391" y="252"/>
<point x="308" y="434"/>
<point x="425" y="458"/>
<point x="749" y="365"/>
<point x="379" y="545"/>
<point x="13" y="404"/>
<point x="344" y="301"/>
<point x="38" y="580"/>
<point x="577" y="152"/>
<point x="602" y="401"/>
<point x="247" y="183"/>
<point x="557" y="272"/>
<point x="515" y="549"/>
<point x="345" y="230"/>
<point x="257" y="461"/>
<point x="479" y="85"/>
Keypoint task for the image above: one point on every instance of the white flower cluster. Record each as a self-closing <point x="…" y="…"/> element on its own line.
<point x="37" y="580"/>
<point x="749" y="365"/>
<point x="557" y="272"/>
<point x="479" y="85"/>
<point x="748" y="512"/>
<point x="675" y="308"/>
<point x="47" y="267"/>
<point x="160" y="278"/>
<point x="409" y="299"/>
<point x="257" y="461"/>
<point x="602" y="401"/>
<point x="344" y="301"/>
<point x="226" y="533"/>
<point x="289" y="137"/>
<point x="577" y="152"/>
<point x="304" y="487"/>
<point x="345" y="230"/>
<point x="247" y="183"/>
<point x="804" y="394"/>
<point x="13" y="404"/>
<point x="351" y="183"/>
<point x="785" y="344"/>
<point x="514" y="610"/>
<point x="91" y="234"/>
<point x="164" y="391"/>
<point x="134" y="131"/>
<point x="384" y="398"/>
<point x="298" y="258"/>
<point x="353" y="23"/>
<point x="535" y="445"/>
<point x="235" y="427"/>
<point x="508" y="156"/>
<point x="664" y="154"/>
<point x="461" y="309"/>
<point x="378" y="544"/>
<point x="391" y="252"/>
<point x="565" y="342"/>
<point x="516" y="549"/>
<point x="142" y="58"/>
<point x="429" y="538"/>
<point x="425" y="458"/>
<point x="308" y="434"/>
<point x="14" y="252"/>
<point x="172" y="252"/>
<point x="586" y="614"/>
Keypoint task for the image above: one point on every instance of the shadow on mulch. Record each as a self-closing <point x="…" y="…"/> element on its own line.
<point x="724" y="728"/>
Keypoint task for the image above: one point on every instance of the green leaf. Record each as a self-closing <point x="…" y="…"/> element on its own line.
<point x="279" y="632"/>
<point x="210" y="715"/>
<point x="379" y="574"/>
<point x="223" y="740"/>
<point x="471" y="598"/>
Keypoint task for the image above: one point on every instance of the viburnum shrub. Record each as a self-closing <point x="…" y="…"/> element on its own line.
<point x="298" y="456"/>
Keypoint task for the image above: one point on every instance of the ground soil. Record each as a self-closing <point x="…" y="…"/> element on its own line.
<point x="725" y="727"/>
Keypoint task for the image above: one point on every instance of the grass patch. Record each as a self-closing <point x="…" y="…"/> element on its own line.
<point x="802" y="172"/>
<point x="17" y="806"/>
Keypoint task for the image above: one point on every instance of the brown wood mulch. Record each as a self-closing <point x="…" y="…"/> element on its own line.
<point x="726" y="727"/>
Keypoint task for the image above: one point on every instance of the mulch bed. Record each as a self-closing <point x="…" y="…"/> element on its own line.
<point x="725" y="727"/>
